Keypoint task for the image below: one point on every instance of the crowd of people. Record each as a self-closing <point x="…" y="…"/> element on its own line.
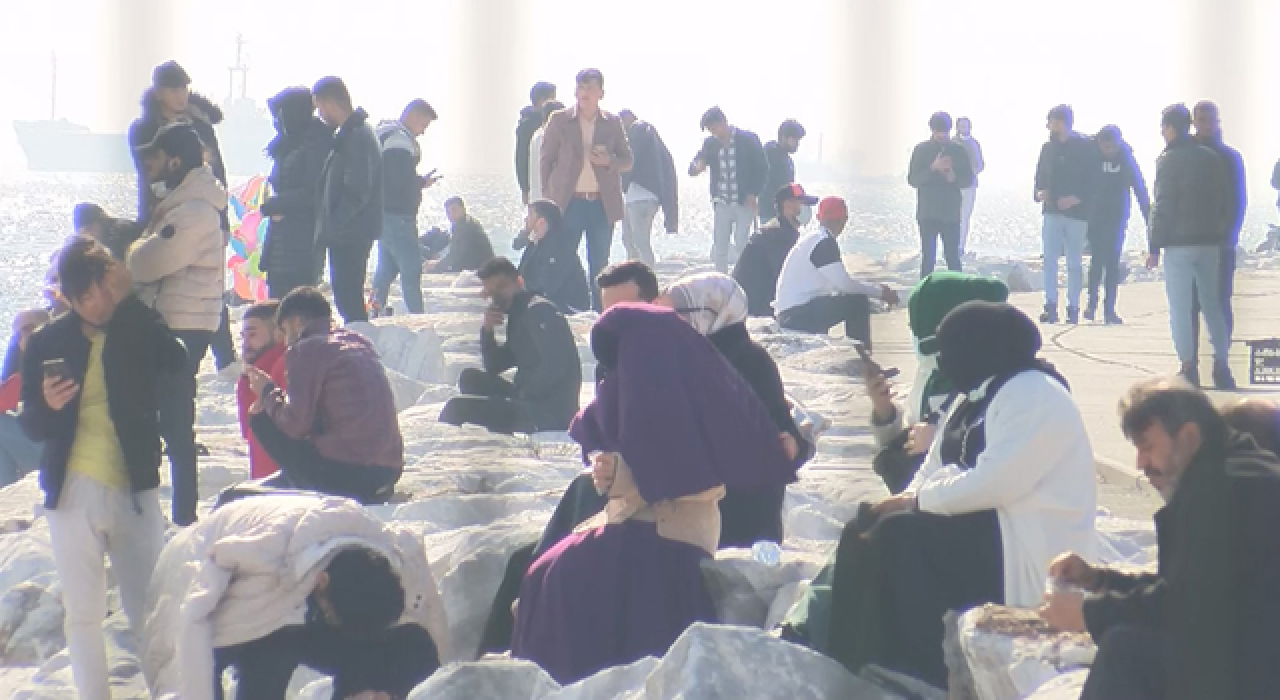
<point x="688" y="437"/>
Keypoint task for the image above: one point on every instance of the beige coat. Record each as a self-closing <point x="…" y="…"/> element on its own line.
<point x="179" y="263"/>
<point x="694" y="519"/>
<point x="246" y="571"/>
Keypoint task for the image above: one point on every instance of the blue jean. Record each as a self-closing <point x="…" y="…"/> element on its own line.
<point x="930" y="231"/>
<point x="587" y="216"/>
<point x="18" y="453"/>
<point x="1227" y="285"/>
<point x="399" y="254"/>
<point x="1061" y="233"/>
<point x="1192" y="272"/>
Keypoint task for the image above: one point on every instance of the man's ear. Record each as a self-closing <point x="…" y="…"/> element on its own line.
<point x="1190" y="437"/>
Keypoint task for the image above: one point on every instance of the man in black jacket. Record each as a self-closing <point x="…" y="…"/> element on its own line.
<point x="782" y="169"/>
<point x="89" y="392"/>
<point x="291" y="258"/>
<point x="738" y="172"/>
<point x="116" y="234"/>
<point x="398" y="251"/>
<point x="650" y="185"/>
<point x="469" y="245"/>
<point x="349" y="218"/>
<point x="540" y="345"/>
<point x="550" y="266"/>
<point x="939" y="170"/>
<point x="761" y="263"/>
<point x="1189" y="221"/>
<point x="532" y="117"/>
<point x="1066" y="176"/>
<point x="1109" y="218"/>
<point x="1202" y="626"/>
<point x="1209" y="134"/>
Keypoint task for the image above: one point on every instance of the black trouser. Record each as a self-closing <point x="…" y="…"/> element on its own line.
<point x="1106" y="238"/>
<point x="394" y="662"/>
<point x="280" y="284"/>
<point x="930" y="231"/>
<point x="1228" y="274"/>
<point x="223" y="347"/>
<point x="501" y="622"/>
<point x="1130" y="665"/>
<point x="821" y="314"/>
<point x="303" y="467"/>
<point x="176" y="399"/>
<point x="488" y="400"/>
<point x="348" y="267"/>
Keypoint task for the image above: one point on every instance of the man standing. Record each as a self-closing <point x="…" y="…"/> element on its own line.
<point x="584" y="153"/>
<point x="398" y="251"/>
<point x="939" y="170"/>
<point x="650" y="185"/>
<point x="738" y="172"/>
<point x="540" y="345"/>
<point x="1203" y="625"/>
<point x="335" y="429"/>
<point x="263" y="346"/>
<point x="90" y="382"/>
<point x="469" y="245"/>
<point x="968" y="195"/>
<point x="1066" y="175"/>
<point x="815" y="291"/>
<point x="550" y="267"/>
<point x="179" y="265"/>
<point x="1189" y="221"/>
<point x="1119" y="176"/>
<point x="761" y="263"/>
<point x="1209" y="134"/>
<point x="532" y="118"/>
<point x="349" y="219"/>
<point x="782" y="170"/>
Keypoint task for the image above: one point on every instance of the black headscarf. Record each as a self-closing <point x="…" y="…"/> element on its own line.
<point x="979" y="340"/>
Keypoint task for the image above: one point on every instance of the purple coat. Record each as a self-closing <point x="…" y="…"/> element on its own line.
<point x="676" y="410"/>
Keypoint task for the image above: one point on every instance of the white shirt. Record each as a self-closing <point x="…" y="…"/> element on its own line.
<point x="637" y="194"/>
<point x="535" y="167"/>
<point x="814" y="269"/>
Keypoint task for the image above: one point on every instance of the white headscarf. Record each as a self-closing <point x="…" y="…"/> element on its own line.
<point x="710" y="302"/>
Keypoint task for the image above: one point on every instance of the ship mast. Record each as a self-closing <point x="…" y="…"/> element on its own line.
<point x="240" y="68"/>
<point x="53" y="91"/>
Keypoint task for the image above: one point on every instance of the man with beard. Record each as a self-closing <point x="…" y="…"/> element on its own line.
<point x="782" y="169"/>
<point x="179" y="267"/>
<point x="263" y="346"/>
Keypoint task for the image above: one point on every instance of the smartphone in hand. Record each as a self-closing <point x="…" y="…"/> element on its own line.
<point x="56" y="369"/>
<point x="861" y="348"/>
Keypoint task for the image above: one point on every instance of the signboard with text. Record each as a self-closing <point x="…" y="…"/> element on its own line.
<point x="1264" y="361"/>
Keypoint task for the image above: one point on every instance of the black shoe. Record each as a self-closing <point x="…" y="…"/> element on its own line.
<point x="1113" y="319"/>
<point x="1073" y="315"/>
<point x="1190" y="372"/>
<point x="1091" y="310"/>
<point x="1222" y="379"/>
<point x="1050" y="315"/>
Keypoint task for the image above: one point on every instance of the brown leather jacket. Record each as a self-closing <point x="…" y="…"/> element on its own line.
<point x="563" y="154"/>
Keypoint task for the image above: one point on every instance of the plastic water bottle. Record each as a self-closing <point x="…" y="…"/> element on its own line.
<point x="767" y="553"/>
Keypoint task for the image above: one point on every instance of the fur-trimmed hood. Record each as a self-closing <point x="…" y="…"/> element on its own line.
<point x="198" y="107"/>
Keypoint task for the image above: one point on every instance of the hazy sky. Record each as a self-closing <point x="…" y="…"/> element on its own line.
<point x="1002" y="62"/>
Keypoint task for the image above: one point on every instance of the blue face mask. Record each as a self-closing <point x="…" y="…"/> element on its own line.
<point x="806" y="215"/>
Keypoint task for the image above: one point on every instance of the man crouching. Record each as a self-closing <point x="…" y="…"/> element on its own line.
<point x="269" y="583"/>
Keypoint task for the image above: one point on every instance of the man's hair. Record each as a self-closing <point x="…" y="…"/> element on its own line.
<point x="332" y="88"/>
<point x="790" y="128"/>
<point x="630" y="271"/>
<point x="365" y="592"/>
<point x="590" y="75"/>
<point x="263" y="311"/>
<point x="715" y="115"/>
<point x="1065" y="113"/>
<point x="1109" y="134"/>
<point x="940" y="121"/>
<point x="1207" y="106"/>
<point x="82" y="263"/>
<point x="1173" y="404"/>
<point x="1178" y="117"/>
<point x="498" y="266"/>
<point x="542" y="90"/>
<point x="455" y="200"/>
<point x="549" y="211"/>
<point x="306" y="303"/>
<point x="418" y="106"/>
<point x="1257" y="417"/>
<point x="86" y="213"/>
<point x="966" y="120"/>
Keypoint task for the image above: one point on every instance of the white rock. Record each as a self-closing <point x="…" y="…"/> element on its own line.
<point x="617" y="682"/>
<point x="31" y="618"/>
<point x="744" y="589"/>
<point x="1009" y="667"/>
<point x="25" y="555"/>
<point x="491" y="680"/>
<point x="1065" y="687"/>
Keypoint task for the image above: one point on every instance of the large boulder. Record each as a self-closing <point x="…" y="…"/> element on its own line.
<point x="491" y="680"/>
<point x="744" y="589"/>
<point x="1011" y="652"/>
<point x="617" y="682"/>
<point x="31" y="618"/>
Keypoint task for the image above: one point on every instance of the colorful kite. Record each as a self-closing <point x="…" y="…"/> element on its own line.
<point x="248" y="239"/>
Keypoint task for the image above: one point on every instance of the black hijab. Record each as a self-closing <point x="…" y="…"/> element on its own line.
<point x="979" y="340"/>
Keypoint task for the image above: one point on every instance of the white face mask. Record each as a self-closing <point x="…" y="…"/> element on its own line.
<point x="806" y="215"/>
<point x="159" y="189"/>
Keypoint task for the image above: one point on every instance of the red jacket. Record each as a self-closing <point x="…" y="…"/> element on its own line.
<point x="11" y="393"/>
<point x="271" y="362"/>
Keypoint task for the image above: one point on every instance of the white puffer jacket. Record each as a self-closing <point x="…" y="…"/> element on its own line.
<point x="246" y="571"/>
<point x="179" y="263"/>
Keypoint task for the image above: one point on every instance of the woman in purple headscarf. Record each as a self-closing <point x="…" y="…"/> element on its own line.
<point x="672" y="424"/>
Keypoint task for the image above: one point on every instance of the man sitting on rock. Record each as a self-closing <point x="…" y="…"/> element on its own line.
<point x="760" y="264"/>
<point x="1203" y="625"/>
<point x="267" y="584"/>
<point x="542" y="348"/>
<point x="263" y="346"/>
<point x="469" y="245"/>
<point x="19" y="454"/>
<point x="335" y="430"/>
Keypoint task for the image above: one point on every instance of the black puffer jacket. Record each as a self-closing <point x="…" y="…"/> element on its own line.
<point x="1192" y="204"/>
<point x="297" y="153"/>
<point x="203" y="115"/>
<point x="552" y="269"/>
<point x="350" y="192"/>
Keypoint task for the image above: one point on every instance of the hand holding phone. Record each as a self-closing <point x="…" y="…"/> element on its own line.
<point x="58" y="387"/>
<point x="55" y="369"/>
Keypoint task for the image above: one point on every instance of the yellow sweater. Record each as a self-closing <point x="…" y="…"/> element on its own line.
<point x="96" y="452"/>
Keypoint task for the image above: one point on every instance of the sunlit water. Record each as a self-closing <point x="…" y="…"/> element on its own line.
<point x="35" y="216"/>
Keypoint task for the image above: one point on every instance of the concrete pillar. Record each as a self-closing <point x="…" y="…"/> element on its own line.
<point x="870" y="72"/>
<point x="1224" y="65"/>
<point x="137" y="36"/>
<point x="489" y="84"/>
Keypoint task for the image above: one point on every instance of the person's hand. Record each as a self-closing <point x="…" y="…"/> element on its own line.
<point x="879" y="389"/>
<point x="430" y="180"/>
<point x="1042" y="195"/>
<point x="604" y="469"/>
<point x="1063" y="611"/>
<point x="895" y="504"/>
<point x="888" y="296"/>
<point x="920" y="438"/>
<point x="940" y="163"/>
<point x="601" y="158"/>
<point x="1067" y="202"/>
<point x="1072" y="570"/>
<point x="789" y="446"/>
<point x="493" y="318"/>
<point x="59" y="392"/>
<point x="258" y="380"/>
<point x="753" y="203"/>
<point x="1153" y="261"/>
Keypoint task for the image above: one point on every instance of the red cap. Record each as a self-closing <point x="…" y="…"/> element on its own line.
<point x="832" y="208"/>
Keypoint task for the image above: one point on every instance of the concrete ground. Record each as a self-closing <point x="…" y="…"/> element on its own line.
<point x="1102" y="362"/>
